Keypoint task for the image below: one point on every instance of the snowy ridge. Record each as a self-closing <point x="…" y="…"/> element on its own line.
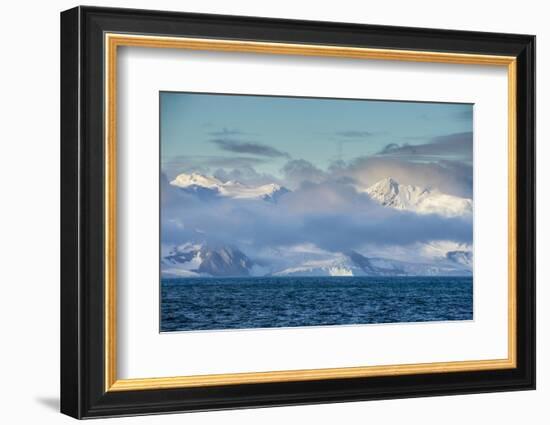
<point x="354" y="264"/>
<point x="196" y="260"/>
<point x="229" y="189"/>
<point x="389" y="193"/>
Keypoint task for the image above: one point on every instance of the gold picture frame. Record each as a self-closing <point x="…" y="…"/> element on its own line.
<point x="114" y="41"/>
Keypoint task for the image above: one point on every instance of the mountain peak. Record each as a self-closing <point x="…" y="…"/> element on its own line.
<point x="191" y="260"/>
<point x="195" y="179"/>
<point x="386" y="185"/>
<point x="196" y="182"/>
<point x="389" y="193"/>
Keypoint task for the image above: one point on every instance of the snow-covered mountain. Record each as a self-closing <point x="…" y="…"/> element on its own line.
<point x="354" y="264"/>
<point x="338" y="264"/>
<point x="203" y="258"/>
<point x="190" y="260"/>
<point x="206" y="186"/>
<point x="389" y="193"/>
<point x="194" y="260"/>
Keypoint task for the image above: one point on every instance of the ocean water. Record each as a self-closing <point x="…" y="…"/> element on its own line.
<point x="267" y="302"/>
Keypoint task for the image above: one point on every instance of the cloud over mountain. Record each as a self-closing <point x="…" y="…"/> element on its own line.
<point x="298" y="171"/>
<point x="206" y="163"/>
<point x="331" y="215"/>
<point x="452" y="177"/>
<point x="267" y="174"/>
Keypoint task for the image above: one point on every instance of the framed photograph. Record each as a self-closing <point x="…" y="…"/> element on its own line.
<point x="261" y="212"/>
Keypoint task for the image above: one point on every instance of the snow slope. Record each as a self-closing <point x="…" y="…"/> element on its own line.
<point x="229" y="189"/>
<point x="354" y="264"/>
<point x="389" y="193"/>
<point x="189" y="260"/>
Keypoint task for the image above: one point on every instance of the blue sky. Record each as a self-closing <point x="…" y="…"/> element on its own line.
<point x="209" y="132"/>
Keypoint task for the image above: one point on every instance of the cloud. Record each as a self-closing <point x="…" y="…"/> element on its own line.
<point x="245" y="147"/>
<point x="298" y="171"/>
<point x="247" y="175"/>
<point x="332" y="216"/>
<point x="204" y="164"/>
<point x="457" y="146"/>
<point x="452" y="177"/>
<point x="227" y="132"/>
<point x="401" y="229"/>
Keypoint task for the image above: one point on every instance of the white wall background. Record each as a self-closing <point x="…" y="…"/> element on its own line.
<point x="29" y="213"/>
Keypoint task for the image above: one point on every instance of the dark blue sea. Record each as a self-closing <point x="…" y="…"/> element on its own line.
<point x="267" y="302"/>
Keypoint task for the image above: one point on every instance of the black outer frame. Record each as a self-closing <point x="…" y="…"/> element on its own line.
<point x="82" y="219"/>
